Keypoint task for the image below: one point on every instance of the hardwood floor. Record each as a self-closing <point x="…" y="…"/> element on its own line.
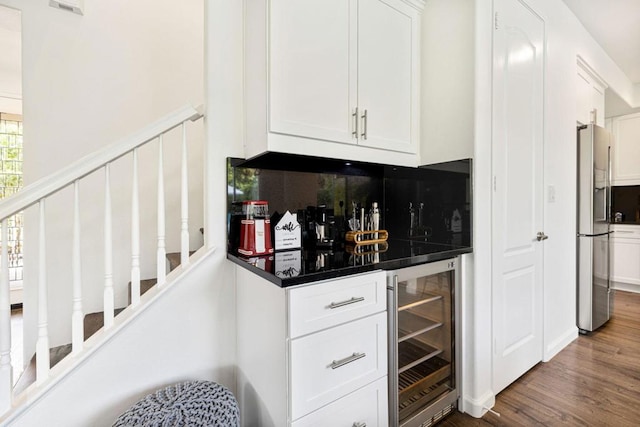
<point x="595" y="381"/>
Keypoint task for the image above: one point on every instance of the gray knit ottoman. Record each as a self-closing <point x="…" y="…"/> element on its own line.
<point x="191" y="403"/>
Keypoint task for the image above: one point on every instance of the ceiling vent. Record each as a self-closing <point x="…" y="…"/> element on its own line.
<point x="75" y="6"/>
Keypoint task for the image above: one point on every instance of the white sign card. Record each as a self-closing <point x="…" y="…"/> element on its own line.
<point x="287" y="232"/>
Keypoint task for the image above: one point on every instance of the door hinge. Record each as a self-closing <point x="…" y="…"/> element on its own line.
<point x="495" y="20"/>
<point x="494" y="183"/>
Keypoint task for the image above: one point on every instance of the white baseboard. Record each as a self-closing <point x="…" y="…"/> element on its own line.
<point x="479" y="406"/>
<point x="559" y="343"/>
<point x="628" y="287"/>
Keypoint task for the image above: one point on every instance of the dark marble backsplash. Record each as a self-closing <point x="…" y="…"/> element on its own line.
<point x="429" y="203"/>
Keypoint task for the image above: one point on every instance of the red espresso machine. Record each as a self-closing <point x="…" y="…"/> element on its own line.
<point x="255" y="229"/>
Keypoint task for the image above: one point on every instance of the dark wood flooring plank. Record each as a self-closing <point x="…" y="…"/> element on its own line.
<point x="594" y="381"/>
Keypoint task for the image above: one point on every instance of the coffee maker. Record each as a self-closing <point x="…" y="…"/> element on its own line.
<point x="318" y="227"/>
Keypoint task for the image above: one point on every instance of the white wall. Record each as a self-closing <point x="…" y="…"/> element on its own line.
<point x="10" y="61"/>
<point x="447" y="108"/>
<point x="565" y="39"/>
<point x="87" y="82"/>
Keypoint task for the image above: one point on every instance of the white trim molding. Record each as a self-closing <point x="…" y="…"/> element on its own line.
<point x="479" y="406"/>
<point x="559" y="343"/>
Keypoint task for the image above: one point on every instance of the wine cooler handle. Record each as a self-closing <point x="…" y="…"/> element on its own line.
<point x="338" y="363"/>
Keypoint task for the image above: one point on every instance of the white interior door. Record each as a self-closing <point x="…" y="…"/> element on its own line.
<point x="518" y="190"/>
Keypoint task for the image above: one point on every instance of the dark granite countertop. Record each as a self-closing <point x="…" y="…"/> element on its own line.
<point x="625" y="223"/>
<point x="305" y="266"/>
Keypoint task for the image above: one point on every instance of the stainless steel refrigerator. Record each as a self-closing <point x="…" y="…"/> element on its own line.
<point x="595" y="298"/>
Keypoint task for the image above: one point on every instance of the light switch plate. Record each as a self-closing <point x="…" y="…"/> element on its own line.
<point x="551" y="193"/>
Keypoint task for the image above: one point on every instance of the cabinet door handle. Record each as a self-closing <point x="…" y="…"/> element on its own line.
<point x="338" y="363"/>
<point x="353" y="300"/>
<point x="355" y="123"/>
<point x="364" y="125"/>
<point x="357" y="424"/>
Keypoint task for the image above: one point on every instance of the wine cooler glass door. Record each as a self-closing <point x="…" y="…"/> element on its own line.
<point x="424" y="362"/>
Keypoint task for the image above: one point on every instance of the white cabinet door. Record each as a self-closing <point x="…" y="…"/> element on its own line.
<point x="365" y="407"/>
<point x="313" y="64"/>
<point x="626" y="150"/>
<point x="335" y="362"/>
<point x="583" y="98"/>
<point x="625" y="257"/>
<point x="590" y="96"/>
<point x="625" y="260"/>
<point x="387" y="65"/>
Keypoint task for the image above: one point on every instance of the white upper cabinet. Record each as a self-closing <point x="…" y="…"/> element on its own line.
<point x="590" y="95"/>
<point x="333" y="78"/>
<point x="626" y="150"/>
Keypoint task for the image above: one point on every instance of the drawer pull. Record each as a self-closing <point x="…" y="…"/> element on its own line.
<point x="353" y="300"/>
<point x="356" y="424"/>
<point x="338" y="363"/>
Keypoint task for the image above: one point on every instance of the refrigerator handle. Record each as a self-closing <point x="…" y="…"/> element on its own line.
<point x="608" y="186"/>
<point x="609" y="265"/>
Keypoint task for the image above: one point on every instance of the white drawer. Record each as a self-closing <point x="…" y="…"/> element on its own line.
<point x="625" y="231"/>
<point x="335" y="362"/>
<point x="366" y="406"/>
<point x="323" y="305"/>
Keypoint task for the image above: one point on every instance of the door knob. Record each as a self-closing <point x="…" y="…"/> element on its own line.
<point x="541" y="236"/>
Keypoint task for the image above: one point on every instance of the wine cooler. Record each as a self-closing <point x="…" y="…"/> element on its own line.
<point x="422" y="350"/>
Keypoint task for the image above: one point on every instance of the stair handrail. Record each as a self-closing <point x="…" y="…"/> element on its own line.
<point x="56" y="181"/>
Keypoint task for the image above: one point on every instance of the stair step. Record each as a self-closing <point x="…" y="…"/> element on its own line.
<point x="28" y="376"/>
<point x="94" y="321"/>
<point x="174" y="259"/>
<point x="145" y="285"/>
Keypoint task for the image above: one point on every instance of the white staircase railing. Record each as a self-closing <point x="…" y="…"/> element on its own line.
<point x="38" y="193"/>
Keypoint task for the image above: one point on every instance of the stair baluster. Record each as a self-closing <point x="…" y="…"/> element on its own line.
<point x="39" y="367"/>
<point x="184" y="233"/>
<point x="6" y="371"/>
<point x="135" y="234"/>
<point x="109" y="303"/>
<point x="77" y="316"/>
<point x="42" y="343"/>
<point x="161" y="258"/>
